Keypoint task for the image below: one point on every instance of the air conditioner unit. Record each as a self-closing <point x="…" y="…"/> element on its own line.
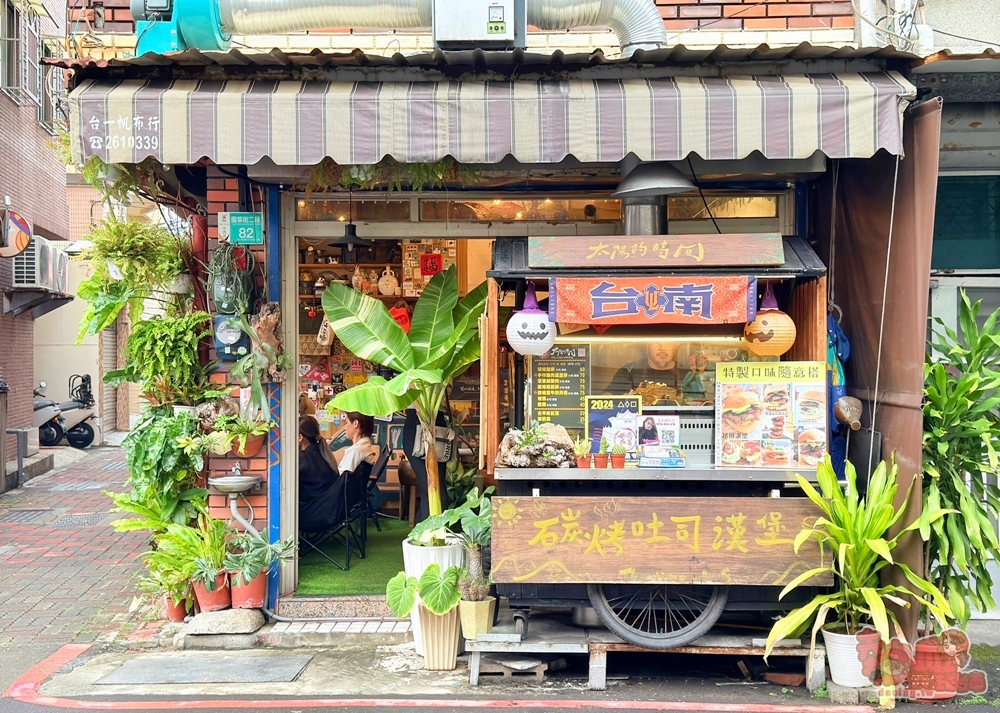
<point x="61" y="271"/>
<point x="34" y="269"/>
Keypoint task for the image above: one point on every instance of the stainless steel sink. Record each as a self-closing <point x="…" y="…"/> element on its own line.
<point x="235" y="483"/>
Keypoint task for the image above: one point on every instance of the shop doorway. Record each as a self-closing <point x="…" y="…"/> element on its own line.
<point x="406" y="238"/>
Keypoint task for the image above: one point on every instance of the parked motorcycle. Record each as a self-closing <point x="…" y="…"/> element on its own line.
<point x="46" y="418"/>
<point x="77" y="416"/>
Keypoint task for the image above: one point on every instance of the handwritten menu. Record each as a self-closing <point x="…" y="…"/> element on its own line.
<point x="559" y="385"/>
<point x="423" y="259"/>
<point x="770" y="414"/>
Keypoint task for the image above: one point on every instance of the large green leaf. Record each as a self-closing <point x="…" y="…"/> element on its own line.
<point x="432" y="316"/>
<point x="439" y="590"/>
<point x="365" y="327"/>
<point x="373" y="398"/>
<point x="472" y="305"/>
<point x="400" y="594"/>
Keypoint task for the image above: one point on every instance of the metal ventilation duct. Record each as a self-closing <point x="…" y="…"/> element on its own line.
<point x="636" y="23"/>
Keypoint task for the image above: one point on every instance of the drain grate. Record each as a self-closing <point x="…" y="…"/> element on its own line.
<point x="115" y="465"/>
<point x="76" y="487"/>
<point x="72" y="522"/>
<point x="21" y="516"/>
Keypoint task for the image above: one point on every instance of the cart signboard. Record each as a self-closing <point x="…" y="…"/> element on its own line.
<point x="676" y="251"/>
<point x="559" y="385"/>
<point x="611" y="299"/>
<point x="770" y="414"/>
<point x="647" y="540"/>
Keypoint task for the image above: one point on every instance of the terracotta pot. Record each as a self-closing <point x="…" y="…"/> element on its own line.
<point x="252" y="448"/>
<point x="933" y="674"/>
<point x="617" y="461"/>
<point x="583" y="461"/>
<point x="175" y="612"/>
<point x="217" y="599"/>
<point x="251" y="595"/>
<point x="477" y="617"/>
<point x="600" y="461"/>
<point x="440" y="635"/>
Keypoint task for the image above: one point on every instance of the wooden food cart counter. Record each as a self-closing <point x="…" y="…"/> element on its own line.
<point x="698" y="473"/>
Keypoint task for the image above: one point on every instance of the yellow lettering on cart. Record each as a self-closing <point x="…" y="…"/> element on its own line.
<point x="655" y="526"/>
<point x="737" y="533"/>
<point x="571" y="525"/>
<point x="773" y="527"/>
<point x="544" y="537"/>
<point x="682" y="533"/>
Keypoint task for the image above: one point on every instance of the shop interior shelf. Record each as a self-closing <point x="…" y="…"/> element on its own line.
<point x="698" y="472"/>
<point x="344" y="265"/>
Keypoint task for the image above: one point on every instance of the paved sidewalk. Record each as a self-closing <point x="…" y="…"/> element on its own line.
<point x="65" y="575"/>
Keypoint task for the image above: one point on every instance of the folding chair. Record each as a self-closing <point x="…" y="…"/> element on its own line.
<point x="378" y="469"/>
<point x="348" y="524"/>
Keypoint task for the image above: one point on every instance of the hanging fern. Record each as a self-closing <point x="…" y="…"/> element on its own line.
<point x="390" y="175"/>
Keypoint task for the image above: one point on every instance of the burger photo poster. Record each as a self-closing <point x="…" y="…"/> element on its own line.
<point x="770" y="415"/>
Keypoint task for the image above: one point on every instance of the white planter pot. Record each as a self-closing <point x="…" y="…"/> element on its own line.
<point x="846" y="668"/>
<point x="441" y="639"/>
<point x="178" y="410"/>
<point x="416" y="560"/>
<point x="181" y="285"/>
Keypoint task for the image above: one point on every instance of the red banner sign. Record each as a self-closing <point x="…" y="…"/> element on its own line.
<point x="653" y="300"/>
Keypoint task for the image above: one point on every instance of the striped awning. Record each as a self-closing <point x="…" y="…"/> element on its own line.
<point x="603" y="120"/>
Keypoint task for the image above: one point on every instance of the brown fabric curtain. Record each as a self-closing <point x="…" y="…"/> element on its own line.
<point x="863" y="209"/>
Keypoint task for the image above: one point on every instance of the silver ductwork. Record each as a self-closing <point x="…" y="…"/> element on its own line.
<point x="636" y="23"/>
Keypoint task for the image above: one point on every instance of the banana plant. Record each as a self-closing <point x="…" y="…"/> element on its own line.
<point x="442" y="343"/>
<point x="960" y="464"/>
<point x="852" y="533"/>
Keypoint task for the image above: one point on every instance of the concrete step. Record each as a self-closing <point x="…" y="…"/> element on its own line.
<point x="293" y="635"/>
<point x="371" y="606"/>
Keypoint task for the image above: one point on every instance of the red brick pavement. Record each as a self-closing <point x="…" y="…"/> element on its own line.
<point x="62" y="582"/>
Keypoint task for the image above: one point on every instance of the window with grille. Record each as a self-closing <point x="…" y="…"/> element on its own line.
<point x="20" y="54"/>
<point x="52" y="109"/>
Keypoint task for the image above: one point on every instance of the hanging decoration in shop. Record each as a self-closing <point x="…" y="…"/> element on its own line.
<point x="529" y="331"/>
<point x="652" y="300"/>
<point x="772" y="333"/>
<point x="401" y="314"/>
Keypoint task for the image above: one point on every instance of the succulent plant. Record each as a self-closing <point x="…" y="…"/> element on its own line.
<point x="618" y="450"/>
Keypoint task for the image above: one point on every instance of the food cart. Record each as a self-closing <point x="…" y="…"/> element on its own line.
<point x="663" y="348"/>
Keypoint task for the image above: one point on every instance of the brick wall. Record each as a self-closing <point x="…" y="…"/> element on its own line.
<point x="100" y="16"/>
<point x="678" y="15"/>
<point x="34" y="178"/>
<point x="225" y="195"/>
<point x="720" y="15"/>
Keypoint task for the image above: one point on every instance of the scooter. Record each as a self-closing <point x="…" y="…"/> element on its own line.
<point x="46" y="418"/>
<point x="77" y="416"/>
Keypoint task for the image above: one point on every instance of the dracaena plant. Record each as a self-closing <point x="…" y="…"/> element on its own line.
<point x="442" y="342"/>
<point x="961" y="439"/>
<point x="855" y="547"/>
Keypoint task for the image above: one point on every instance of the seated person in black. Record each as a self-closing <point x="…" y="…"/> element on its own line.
<point x="321" y="498"/>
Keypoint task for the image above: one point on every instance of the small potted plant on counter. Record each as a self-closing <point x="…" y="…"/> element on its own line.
<point x="601" y="457"/>
<point x="246" y="436"/>
<point x="438" y="611"/>
<point x="581" y="447"/>
<point x="248" y="563"/>
<point x="618" y="456"/>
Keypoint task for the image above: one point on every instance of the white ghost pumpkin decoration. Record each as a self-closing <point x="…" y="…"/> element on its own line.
<point x="529" y="331"/>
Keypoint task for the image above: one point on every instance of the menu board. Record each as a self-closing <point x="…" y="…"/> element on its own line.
<point x="559" y="385"/>
<point x="770" y="414"/>
<point x="615" y="418"/>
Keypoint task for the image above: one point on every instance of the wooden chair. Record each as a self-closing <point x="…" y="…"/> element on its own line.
<point x="407" y="492"/>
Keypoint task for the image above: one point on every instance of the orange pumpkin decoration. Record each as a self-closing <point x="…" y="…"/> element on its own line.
<point x="772" y="333"/>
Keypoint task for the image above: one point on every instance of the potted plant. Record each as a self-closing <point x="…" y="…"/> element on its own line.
<point x="601" y="457"/>
<point x="170" y="582"/>
<point x="437" y="607"/>
<point x="248" y="562"/>
<point x="476" y="608"/>
<point x="443" y="341"/>
<point x="618" y="456"/>
<point x="245" y="437"/>
<point x="960" y="444"/>
<point x="202" y="550"/>
<point x="581" y="447"/>
<point x="853" y="532"/>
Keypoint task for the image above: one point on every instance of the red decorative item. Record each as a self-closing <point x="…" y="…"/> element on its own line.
<point x="430" y="264"/>
<point x="240" y="258"/>
<point x="402" y="317"/>
<point x="311" y="313"/>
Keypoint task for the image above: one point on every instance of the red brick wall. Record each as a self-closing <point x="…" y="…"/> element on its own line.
<point x="678" y="15"/>
<point x="34" y="178"/>
<point x="224" y="196"/>
<point x="109" y="16"/>
<point x="728" y="15"/>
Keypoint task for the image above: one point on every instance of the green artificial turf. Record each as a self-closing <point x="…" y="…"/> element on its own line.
<point x="317" y="576"/>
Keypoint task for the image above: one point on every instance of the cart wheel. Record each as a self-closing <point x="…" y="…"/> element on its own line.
<point x="521" y="624"/>
<point x="658" y="616"/>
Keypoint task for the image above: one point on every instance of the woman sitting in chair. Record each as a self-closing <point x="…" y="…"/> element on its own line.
<point x="358" y="428"/>
<point x="319" y="488"/>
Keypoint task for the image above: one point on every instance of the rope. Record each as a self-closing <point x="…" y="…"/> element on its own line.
<point x="832" y="272"/>
<point x="881" y="325"/>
